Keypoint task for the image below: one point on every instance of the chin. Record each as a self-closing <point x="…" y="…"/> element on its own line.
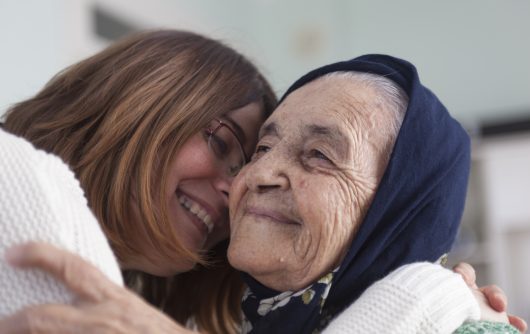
<point x="259" y="270"/>
<point x="240" y="259"/>
<point x="233" y="259"/>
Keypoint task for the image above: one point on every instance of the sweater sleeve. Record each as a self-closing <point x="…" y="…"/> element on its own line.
<point x="42" y="201"/>
<point x="416" y="298"/>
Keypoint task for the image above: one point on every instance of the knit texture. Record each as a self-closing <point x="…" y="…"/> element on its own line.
<point x="41" y="200"/>
<point x="416" y="298"/>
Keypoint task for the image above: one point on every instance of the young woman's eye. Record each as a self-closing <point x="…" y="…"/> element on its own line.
<point x="219" y="146"/>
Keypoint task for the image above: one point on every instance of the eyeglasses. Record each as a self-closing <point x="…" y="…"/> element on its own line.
<point x="226" y="147"/>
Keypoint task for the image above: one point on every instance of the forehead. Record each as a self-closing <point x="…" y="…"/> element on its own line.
<point x="334" y="101"/>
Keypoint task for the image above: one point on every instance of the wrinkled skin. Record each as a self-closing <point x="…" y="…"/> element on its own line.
<point x="296" y="206"/>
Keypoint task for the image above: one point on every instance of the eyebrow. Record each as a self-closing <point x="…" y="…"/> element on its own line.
<point x="331" y="134"/>
<point x="328" y="132"/>
<point x="237" y="128"/>
<point x="270" y="129"/>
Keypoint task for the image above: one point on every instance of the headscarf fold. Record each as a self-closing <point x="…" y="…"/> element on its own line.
<point x="414" y="215"/>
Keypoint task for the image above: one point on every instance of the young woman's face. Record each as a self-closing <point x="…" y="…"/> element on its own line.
<point x="201" y="174"/>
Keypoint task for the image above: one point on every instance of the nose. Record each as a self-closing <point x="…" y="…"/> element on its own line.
<point x="222" y="184"/>
<point x="268" y="172"/>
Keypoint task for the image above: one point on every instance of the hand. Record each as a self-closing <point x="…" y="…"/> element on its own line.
<point x="492" y="299"/>
<point x="101" y="306"/>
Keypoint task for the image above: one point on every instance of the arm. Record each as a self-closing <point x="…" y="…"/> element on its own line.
<point x="42" y="201"/>
<point x="101" y="305"/>
<point x="416" y="298"/>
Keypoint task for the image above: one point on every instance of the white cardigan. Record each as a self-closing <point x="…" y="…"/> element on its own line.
<point x="419" y="298"/>
<point x="41" y="200"/>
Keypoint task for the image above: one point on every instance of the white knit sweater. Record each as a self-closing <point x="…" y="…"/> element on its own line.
<point x="419" y="298"/>
<point x="41" y="200"/>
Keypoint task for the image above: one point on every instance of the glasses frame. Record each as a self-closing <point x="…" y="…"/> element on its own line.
<point x="211" y="133"/>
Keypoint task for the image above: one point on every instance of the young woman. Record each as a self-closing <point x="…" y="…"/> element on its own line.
<point x="155" y="127"/>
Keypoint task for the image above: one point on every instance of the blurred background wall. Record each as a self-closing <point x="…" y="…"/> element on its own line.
<point x="474" y="54"/>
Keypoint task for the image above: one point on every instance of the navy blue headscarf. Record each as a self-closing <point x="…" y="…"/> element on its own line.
<point x="414" y="215"/>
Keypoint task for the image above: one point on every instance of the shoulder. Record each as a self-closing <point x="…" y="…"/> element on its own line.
<point x="416" y="298"/>
<point x="42" y="201"/>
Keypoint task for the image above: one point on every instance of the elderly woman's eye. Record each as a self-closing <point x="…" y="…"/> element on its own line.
<point x="260" y="150"/>
<point x="318" y="155"/>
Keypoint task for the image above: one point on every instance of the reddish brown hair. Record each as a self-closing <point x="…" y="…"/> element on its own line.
<point x="123" y="113"/>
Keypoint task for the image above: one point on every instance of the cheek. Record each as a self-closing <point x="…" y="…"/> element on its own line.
<point x="330" y="217"/>
<point x="236" y="192"/>
<point x="193" y="160"/>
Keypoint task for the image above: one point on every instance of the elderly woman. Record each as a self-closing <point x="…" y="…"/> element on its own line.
<point x="359" y="171"/>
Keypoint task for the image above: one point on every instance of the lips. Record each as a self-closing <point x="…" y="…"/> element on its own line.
<point x="273" y="215"/>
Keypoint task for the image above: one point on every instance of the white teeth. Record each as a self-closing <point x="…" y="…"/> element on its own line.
<point x="197" y="210"/>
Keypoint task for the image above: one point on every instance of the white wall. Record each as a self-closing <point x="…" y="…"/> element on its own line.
<point x="38" y="38"/>
<point x="30" y="37"/>
<point x="474" y="54"/>
<point x="505" y="172"/>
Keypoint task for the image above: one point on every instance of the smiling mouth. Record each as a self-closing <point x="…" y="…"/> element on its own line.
<point x="271" y="216"/>
<point x="197" y="210"/>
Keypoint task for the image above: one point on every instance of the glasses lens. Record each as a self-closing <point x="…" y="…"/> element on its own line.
<point x="227" y="149"/>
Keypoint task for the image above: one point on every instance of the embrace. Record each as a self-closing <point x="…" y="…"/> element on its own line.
<point x="336" y="200"/>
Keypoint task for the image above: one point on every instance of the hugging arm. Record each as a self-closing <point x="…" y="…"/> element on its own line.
<point x="101" y="305"/>
<point x="417" y="298"/>
<point x="420" y="298"/>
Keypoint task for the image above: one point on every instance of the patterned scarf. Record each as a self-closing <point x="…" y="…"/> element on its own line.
<point x="263" y="312"/>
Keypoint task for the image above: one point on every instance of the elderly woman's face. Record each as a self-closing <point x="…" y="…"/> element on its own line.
<point x="296" y="206"/>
